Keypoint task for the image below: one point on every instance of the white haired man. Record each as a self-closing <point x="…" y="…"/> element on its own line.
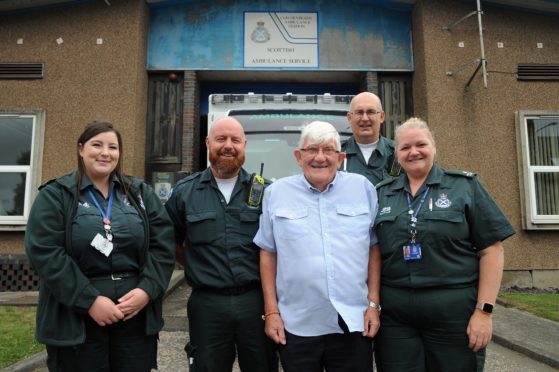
<point x="316" y="238"/>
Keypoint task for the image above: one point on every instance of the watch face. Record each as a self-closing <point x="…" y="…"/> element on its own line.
<point x="487" y="308"/>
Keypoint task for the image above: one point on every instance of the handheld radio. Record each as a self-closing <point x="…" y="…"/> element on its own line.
<point x="256" y="190"/>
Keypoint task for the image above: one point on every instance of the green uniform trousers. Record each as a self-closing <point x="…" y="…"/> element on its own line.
<point x="221" y="324"/>
<point x="119" y="347"/>
<point x="425" y="330"/>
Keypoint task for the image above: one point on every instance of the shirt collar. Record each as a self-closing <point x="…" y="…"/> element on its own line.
<point x="383" y="147"/>
<point x="207" y="176"/>
<point x="353" y="148"/>
<point x="434" y="177"/>
<point x="86" y="182"/>
<point x="314" y="189"/>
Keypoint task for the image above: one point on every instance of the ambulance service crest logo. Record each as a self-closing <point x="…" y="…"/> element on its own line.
<point x="443" y="201"/>
<point x="260" y="33"/>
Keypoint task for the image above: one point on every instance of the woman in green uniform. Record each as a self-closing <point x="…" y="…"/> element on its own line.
<point x="440" y="236"/>
<point x="103" y="246"/>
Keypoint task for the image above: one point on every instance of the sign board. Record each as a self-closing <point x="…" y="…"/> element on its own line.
<point x="281" y="39"/>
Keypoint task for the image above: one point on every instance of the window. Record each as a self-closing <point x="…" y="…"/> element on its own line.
<point x="21" y="143"/>
<point x="538" y="139"/>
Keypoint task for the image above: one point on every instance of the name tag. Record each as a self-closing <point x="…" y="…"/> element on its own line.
<point x="102" y="244"/>
<point x="412" y="251"/>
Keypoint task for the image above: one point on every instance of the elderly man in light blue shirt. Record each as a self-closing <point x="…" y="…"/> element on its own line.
<point x="319" y="271"/>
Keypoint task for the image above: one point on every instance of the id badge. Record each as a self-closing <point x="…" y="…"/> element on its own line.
<point x="412" y="251"/>
<point x="103" y="245"/>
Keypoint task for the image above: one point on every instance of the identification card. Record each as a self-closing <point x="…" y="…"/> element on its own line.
<point x="102" y="244"/>
<point x="412" y="251"/>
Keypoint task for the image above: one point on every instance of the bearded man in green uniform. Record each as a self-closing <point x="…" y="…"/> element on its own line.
<point x="214" y="227"/>
<point x="367" y="152"/>
<point x="440" y="238"/>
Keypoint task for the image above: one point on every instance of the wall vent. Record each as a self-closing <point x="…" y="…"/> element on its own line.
<point x="21" y="70"/>
<point x="16" y="273"/>
<point x="538" y="72"/>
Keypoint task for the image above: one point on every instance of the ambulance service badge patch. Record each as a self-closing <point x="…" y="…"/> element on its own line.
<point x="443" y="201"/>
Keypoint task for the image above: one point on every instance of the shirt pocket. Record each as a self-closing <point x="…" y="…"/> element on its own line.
<point x="86" y="224"/>
<point x="249" y="223"/>
<point x="384" y="220"/>
<point x="353" y="219"/>
<point x="291" y="224"/>
<point x="388" y="232"/>
<point x="445" y="216"/>
<point x="201" y="227"/>
<point x="127" y="221"/>
<point x="447" y="224"/>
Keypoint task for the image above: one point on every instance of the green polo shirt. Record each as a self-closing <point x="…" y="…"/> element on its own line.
<point x="126" y="223"/>
<point x="219" y="252"/>
<point x="458" y="219"/>
<point x="380" y="163"/>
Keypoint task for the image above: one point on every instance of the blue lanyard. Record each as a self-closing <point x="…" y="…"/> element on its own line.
<point x="106" y="216"/>
<point x="413" y="214"/>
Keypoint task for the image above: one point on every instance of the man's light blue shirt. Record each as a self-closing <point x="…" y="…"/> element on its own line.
<point x="322" y="241"/>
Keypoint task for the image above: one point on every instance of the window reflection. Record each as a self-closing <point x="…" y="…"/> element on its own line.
<point x="12" y="194"/>
<point x="16" y="135"/>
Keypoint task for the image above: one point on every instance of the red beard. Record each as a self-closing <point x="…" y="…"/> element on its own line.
<point x="226" y="167"/>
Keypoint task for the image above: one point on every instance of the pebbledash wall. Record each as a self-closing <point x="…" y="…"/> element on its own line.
<point x="82" y="81"/>
<point x="475" y="129"/>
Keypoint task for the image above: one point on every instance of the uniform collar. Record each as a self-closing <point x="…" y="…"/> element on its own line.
<point x="383" y="146"/>
<point x="86" y="182"/>
<point x="207" y="178"/>
<point x="351" y="146"/>
<point x="435" y="177"/>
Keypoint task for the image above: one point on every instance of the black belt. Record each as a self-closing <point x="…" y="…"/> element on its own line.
<point x="113" y="276"/>
<point x="232" y="291"/>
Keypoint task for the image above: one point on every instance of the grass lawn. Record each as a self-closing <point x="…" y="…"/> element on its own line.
<point x="17" y="334"/>
<point x="545" y="305"/>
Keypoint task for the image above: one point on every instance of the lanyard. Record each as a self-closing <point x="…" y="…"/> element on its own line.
<point x="106" y="216"/>
<point x="413" y="214"/>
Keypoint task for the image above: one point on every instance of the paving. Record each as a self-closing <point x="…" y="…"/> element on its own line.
<point x="532" y="338"/>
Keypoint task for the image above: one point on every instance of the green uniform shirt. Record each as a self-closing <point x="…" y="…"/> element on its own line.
<point x="126" y="224"/>
<point x="219" y="252"/>
<point x="458" y="219"/>
<point x="380" y="165"/>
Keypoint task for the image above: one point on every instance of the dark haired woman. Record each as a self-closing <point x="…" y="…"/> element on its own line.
<point x="103" y="246"/>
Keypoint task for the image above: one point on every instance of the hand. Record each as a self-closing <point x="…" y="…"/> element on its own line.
<point x="104" y="311"/>
<point x="480" y="329"/>
<point x="131" y="303"/>
<point x="274" y="329"/>
<point x="372" y="322"/>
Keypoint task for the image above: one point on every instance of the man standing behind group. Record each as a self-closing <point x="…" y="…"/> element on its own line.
<point x="316" y="237"/>
<point x="216" y="224"/>
<point x="367" y="152"/>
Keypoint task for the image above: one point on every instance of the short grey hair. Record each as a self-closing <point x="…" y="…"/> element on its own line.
<point x="416" y="123"/>
<point x="319" y="132"/>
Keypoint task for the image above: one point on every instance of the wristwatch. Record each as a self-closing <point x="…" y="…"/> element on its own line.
<point x="486" y="307"/>
<point x="375" y="306"/>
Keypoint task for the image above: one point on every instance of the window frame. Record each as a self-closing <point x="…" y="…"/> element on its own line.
<point x="531" y="220"/>
<point x="33" y="170"/>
